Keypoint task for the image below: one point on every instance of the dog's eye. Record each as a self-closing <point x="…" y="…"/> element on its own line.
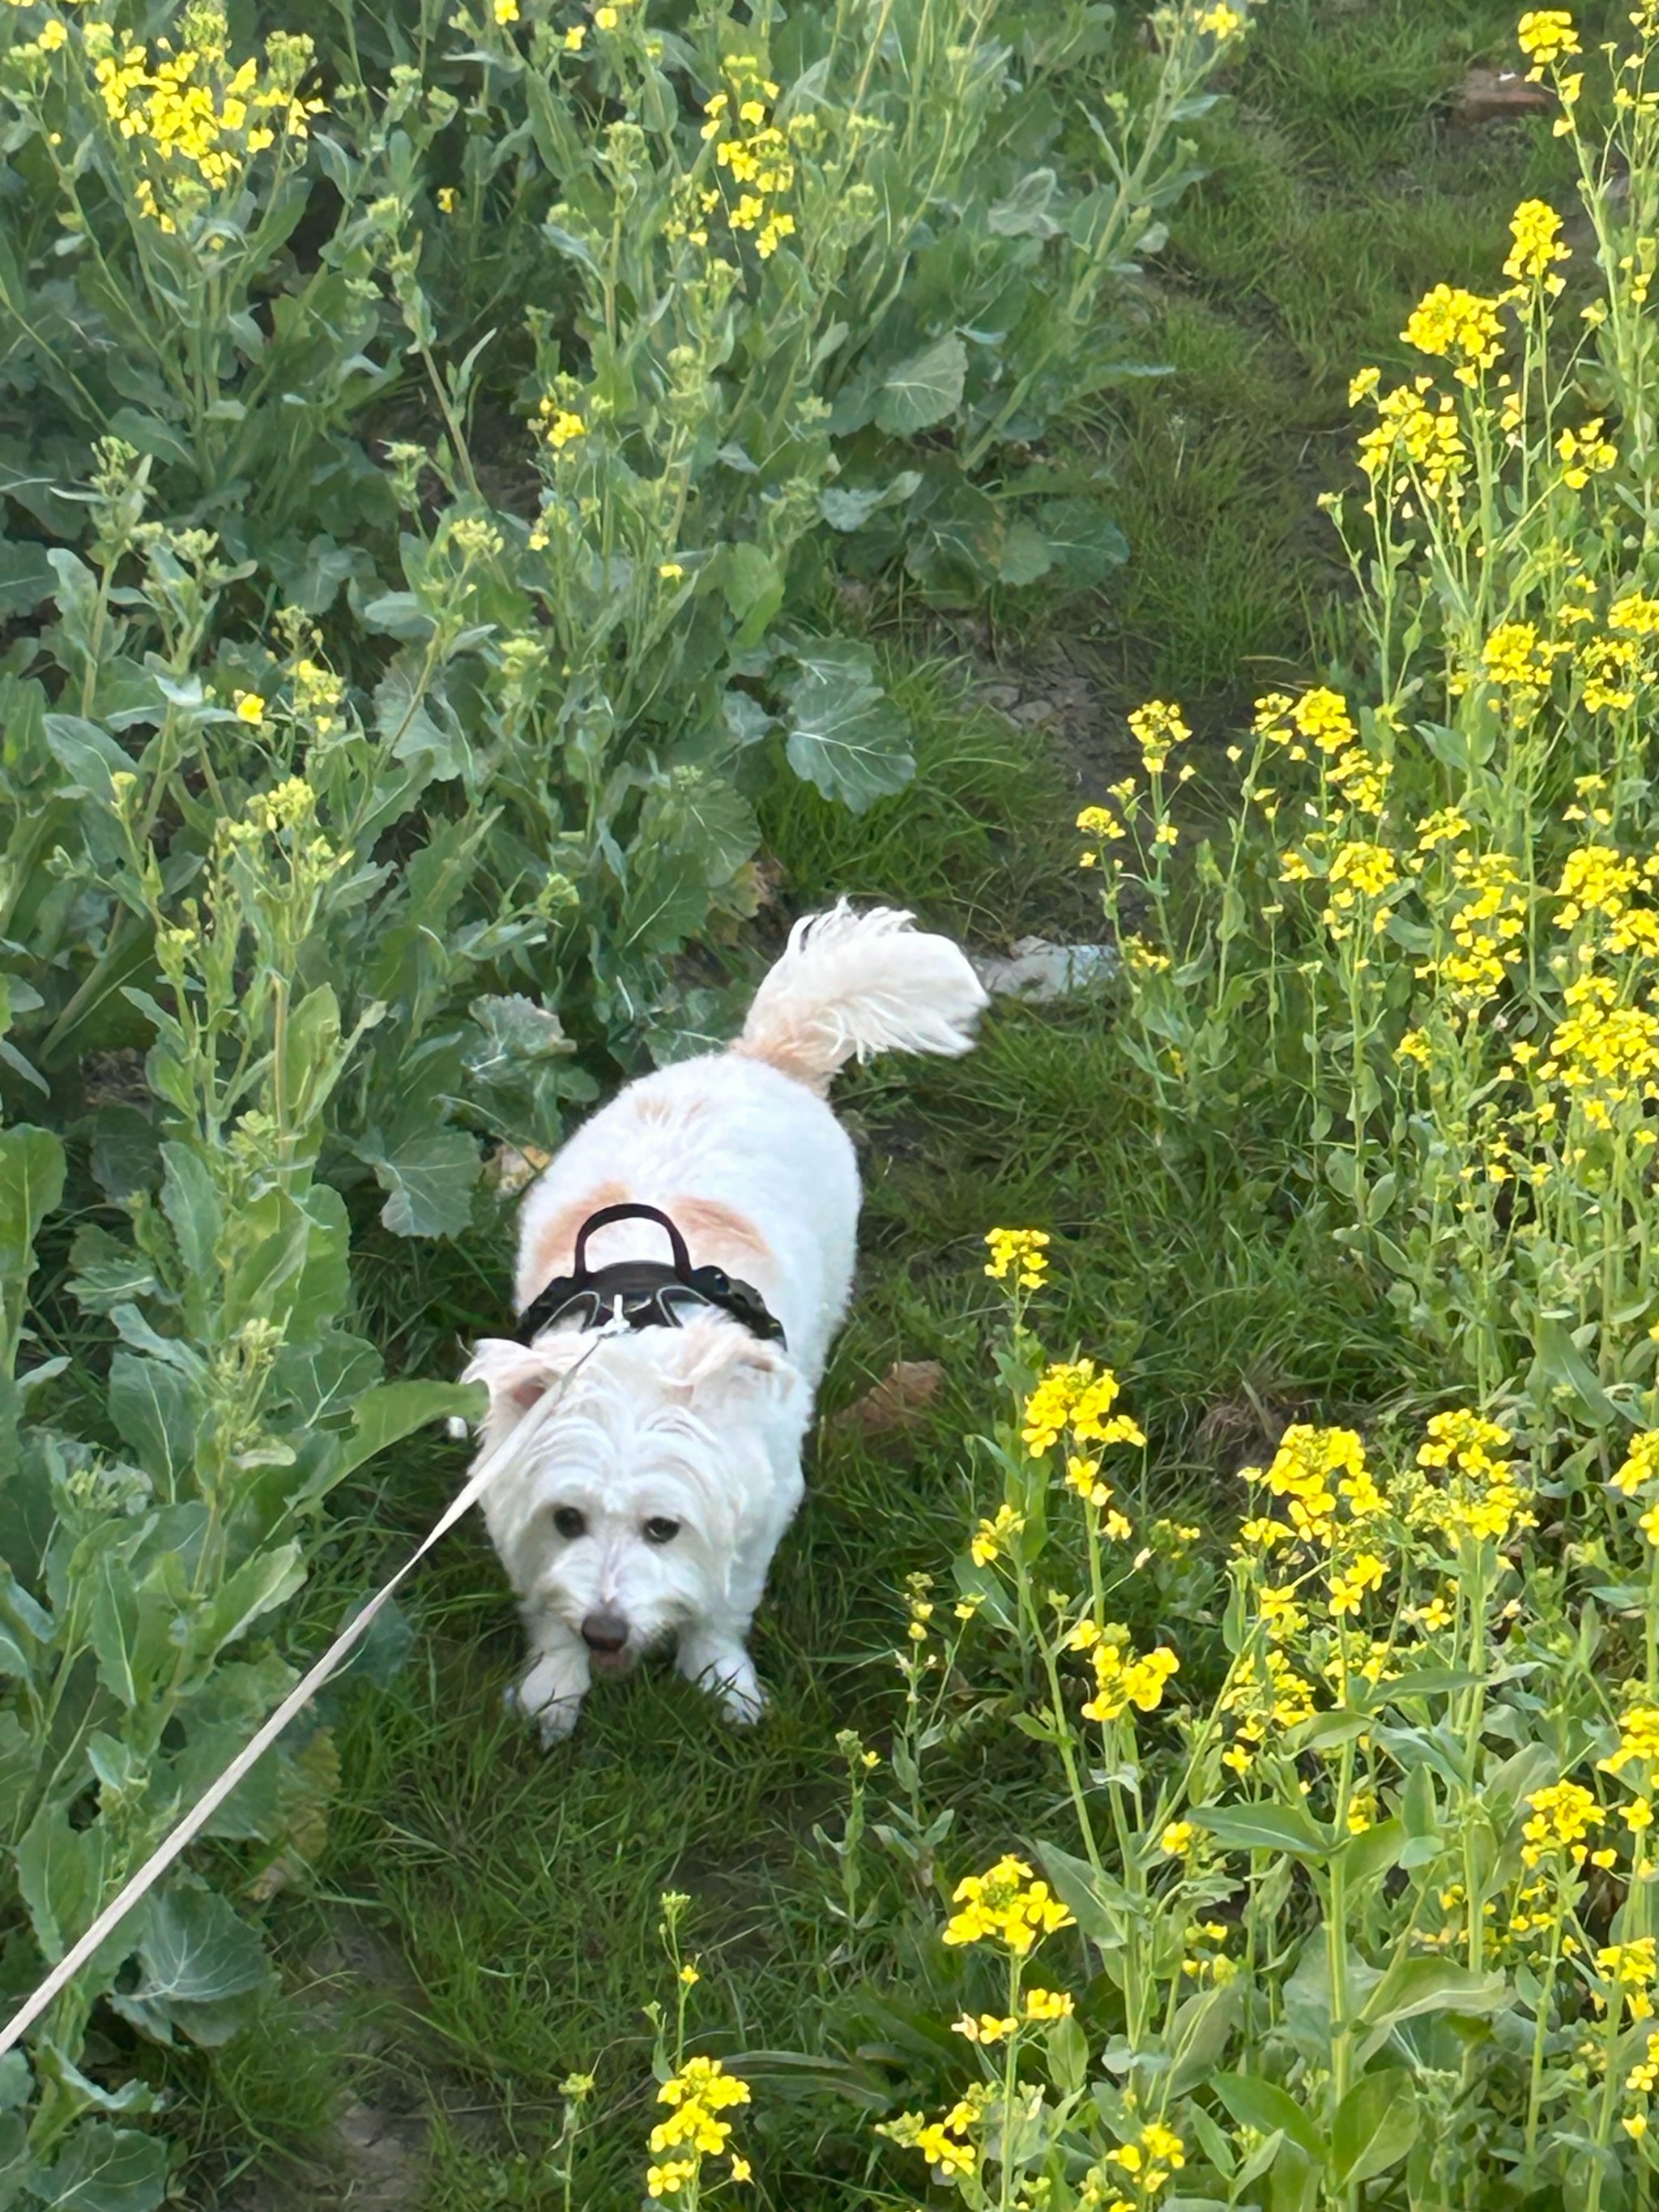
<point x="569" y="1522"/>
<point x="661" y="1531"/>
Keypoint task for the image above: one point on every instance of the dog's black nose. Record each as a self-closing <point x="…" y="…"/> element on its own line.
<point x="604" y="1632"/>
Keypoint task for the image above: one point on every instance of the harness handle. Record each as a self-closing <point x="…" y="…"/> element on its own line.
<point x="630" y="1210"/>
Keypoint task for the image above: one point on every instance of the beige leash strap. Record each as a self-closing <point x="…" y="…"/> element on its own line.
<point x="303" y="1691"/>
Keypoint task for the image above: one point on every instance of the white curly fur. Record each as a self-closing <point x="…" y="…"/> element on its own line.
<point x="700" y="1429"/>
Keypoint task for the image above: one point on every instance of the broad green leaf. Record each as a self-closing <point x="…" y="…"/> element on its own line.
<point x="17" y="1768"/>
<point x="125" y="1150"/>
<point x="516" y="1031"/>
<point x="90" y="756"/>
<point x="129" y="1618"/>
<point x="1258" y="2104"/>
<point x="1264" y="1828"/>
<point x="108" y="1270"/>
<point x="419" y="723"/>
<point x="1068" y="2055"/>
<point x="1026" y="554"/>
<point x="257" y="1587"/>
<point x="392" y="1411"/>
<point x="845" y="735"/>
<point x="194" y="1951"/>
<point x="429" y="1176"/>
<point x="261" y="1286"/>
<point x="14" y="2081"/>
<point x="14" y="2151"/>
<point x="1024" y="212"/>
<point x="192" y="1207"/>
<point x="31" y="1185"/>
<point x="60" y="1873"/>
<point x="925" y="389"/>
<point x="1372" y="1851"/>
<point x="1374" y="2126"/>
<point x="26" y="577"/>
<point x="1100" y="1904"/>
<point x="1084" y="542"/>
<point x="754" y="590"/>
<point x="152" y="1408"/>
<point x="103" y="2169"/>
<point x="848" y="507"/>
<point x="321" y="1379"/>
<point x="1412" y="1986"/>
<point x="1559" y="1368"/>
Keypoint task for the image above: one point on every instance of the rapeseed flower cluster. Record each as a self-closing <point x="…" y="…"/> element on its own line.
<point x="1360" y="876"/>
<point x="1417" y="443"/>
<point x="1315" y="1471"/>
<point x="1458" y="326"/>
<point x="558" y="423"/>
<point x="697" y="2097"/>
<point x="1627" y="1971"/>
<point x="1559" y="1817"/>
<point x="1150" y="2159"/>
<point x="946" y="2143"/>
<point x="1319" y="720"/>
<point x="1638" y="1478"/>
<point x="754" y="153"/>
<point x="1545" y="36"/>
<point x="1037" y="2007"/>
<point x="1639" y="1742"/>
<point x="1123" y="1679"/>
<point x="1603" y="1054"/>
<point x="1007" y="1905"/>
<point x="1077" y="1396"/>
<point x="1487" y="927"/>
<point x="1158" y="728"/>
<point x="1264" y="1696"/>
<point x="196" y="121"/>
<point x="1537" y="249"/>
<point x="1022" y="1253"/>
<point x="1480" y="1497"/>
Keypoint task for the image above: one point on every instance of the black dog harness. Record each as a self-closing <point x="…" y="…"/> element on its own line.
<point x="642" y="1293"/>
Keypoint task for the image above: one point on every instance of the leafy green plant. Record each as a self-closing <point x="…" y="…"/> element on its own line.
<point x="138" y="1574"/>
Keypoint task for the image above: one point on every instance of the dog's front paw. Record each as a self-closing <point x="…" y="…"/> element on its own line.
<point x="727" y="1671"/>
<point x="550" y="1695"/>
<point x="743" y="1701"/>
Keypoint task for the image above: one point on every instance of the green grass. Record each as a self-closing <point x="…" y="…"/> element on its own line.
<point x="482" y="1922"/>
<point x="1341" y="183"/>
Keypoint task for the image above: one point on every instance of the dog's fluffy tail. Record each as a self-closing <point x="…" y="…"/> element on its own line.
<point x="855" y="984"/>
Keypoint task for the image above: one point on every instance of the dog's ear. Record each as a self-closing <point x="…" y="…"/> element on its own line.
<point x="712" y="1356"/>
<point x="517" y="1375"/>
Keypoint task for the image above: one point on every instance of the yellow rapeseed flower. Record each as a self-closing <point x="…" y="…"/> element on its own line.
<point x="1048" y="2004"/>
<point x="1545" y="36"/>
<point x="1640" y="1465"/>
<point x="1563" y="1815"/>
<point x="1462" y="327"/>
<point x="991" y="1538"/>
<point x="1638" y="1741"/>
<point x="1158" y="727"/>
<point x="1535" y="230"/>
<point x="1123" y="1679"/>
<point x="1349" y="1586"/>
<point x="1021" y="1253"/>
<point x="1004" y="1905"/>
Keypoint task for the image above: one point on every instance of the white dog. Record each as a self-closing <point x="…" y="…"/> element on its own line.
<point x="651" y="1491"/>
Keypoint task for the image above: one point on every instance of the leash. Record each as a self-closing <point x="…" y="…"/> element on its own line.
<point x="202" y="1812"/>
